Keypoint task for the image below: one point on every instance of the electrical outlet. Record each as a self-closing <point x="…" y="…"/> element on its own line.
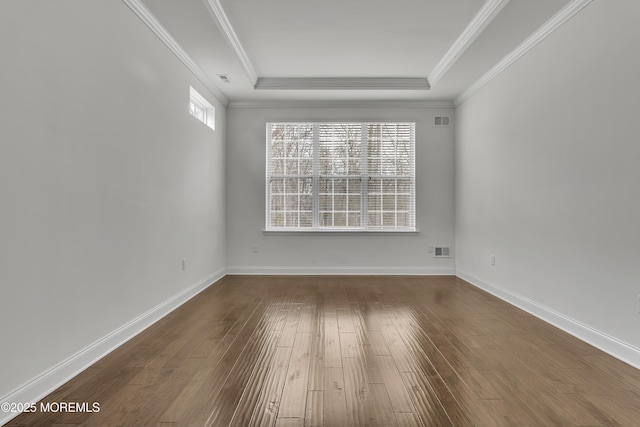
<point x="430" y="249"/>
<point x="254" y="248"/>
<point x="493" y="260"/>
<point x="184" y="263"/>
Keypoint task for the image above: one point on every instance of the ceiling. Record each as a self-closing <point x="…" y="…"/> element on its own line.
<point x="345" y="49"/>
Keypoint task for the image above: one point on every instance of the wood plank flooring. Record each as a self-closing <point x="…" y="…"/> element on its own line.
<point x="350" y="351"/>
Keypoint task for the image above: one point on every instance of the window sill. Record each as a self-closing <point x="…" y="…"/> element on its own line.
<point x="340" y="232"/>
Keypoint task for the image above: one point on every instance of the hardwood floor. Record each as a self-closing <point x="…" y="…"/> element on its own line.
<point x="350" y="351"/>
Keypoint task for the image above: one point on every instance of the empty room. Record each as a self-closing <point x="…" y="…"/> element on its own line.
<point x="319" y="213"/>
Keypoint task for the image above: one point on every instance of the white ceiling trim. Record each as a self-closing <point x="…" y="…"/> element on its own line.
<point x="147" y="17"/>
<point x="342" y="83"/>
<point x="340" y="104"/>
<point x="485" y="15"/>
<point x="540" y="34"/>
<point x="217" y="12"/>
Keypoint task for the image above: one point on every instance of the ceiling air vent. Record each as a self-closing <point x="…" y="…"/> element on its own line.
<point x="442" y="252"/>
<point x="224" y="78"/>
<point x="441" y="121"/>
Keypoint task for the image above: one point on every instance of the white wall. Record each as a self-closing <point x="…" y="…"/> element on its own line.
<point x="547" y="161"/>
<point x="353" y="253"/>
<point x="106" y="182"/>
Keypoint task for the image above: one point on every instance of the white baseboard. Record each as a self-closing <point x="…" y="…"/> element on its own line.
<point x="54" y="377"/>
<point x="610" y="345"/>
<point x="338" y="271"/>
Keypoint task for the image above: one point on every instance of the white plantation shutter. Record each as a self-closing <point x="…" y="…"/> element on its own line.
<point x="340" y="176"/>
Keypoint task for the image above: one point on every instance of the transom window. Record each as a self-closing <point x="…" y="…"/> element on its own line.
<point x="201" y="109"/>
<point x="197" y="110"/>
<point x="340" y="176"/>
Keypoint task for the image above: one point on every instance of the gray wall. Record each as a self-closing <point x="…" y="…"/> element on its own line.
<point x="337" y="253"/>
<point x="106" y="182"/>
<point x="547" y="177"/>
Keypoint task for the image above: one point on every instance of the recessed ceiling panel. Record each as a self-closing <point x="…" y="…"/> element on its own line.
<point x="343" y="45"/>
<point x="355" y="38"/>
<point x="193" y="27"/>
<point x="517" y="21"/>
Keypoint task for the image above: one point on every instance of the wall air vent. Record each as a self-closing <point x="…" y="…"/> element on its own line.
<point x="441" y="121"/>
<point x="442" y="252"/>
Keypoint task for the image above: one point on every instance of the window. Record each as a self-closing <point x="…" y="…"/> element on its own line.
<point x="340" y="176"/>
<point x="197" y="110"/>
<point x="201" y="109"/>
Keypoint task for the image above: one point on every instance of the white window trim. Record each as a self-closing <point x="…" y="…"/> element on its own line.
<point x="345" y="232"/>
<point x="364" y="176"/>
<point x="209" y="110"/>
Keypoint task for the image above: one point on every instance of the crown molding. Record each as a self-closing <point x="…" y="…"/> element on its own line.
<point x="342" y="83"/>
<point x="485" y="15"/>
<point x="339" y="104"/>
<point x="540" y="34"/>
<point x="220" y="17"/>
<point x="147" y="17"/>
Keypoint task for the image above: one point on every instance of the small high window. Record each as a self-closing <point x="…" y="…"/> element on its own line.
<point x="197" y="110"/>
<point x="201" y="109"/>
